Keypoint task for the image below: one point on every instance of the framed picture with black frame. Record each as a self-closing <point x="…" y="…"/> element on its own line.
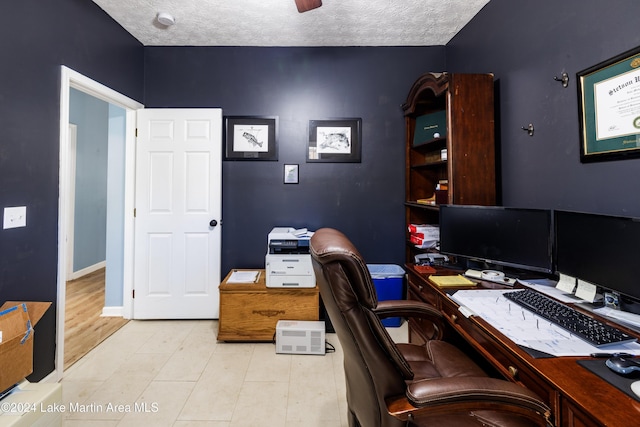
<point x="251" y="138"/>
<point x="609" y="103"/>
<point x="335" y="140"/>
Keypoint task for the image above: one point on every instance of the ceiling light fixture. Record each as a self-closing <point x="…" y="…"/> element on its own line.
<point x="166" y="19"/>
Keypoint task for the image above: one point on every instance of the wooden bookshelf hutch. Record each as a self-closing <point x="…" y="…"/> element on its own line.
<point x="468" y="169"/>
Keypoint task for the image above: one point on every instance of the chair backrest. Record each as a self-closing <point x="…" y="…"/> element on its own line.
<point x="374" y="368"/>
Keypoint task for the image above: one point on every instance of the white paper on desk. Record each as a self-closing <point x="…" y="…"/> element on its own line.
<point x="579" y="347"/>
<point x="562" y="347"/>
<point x="552" y="291"/>
<point x="527" y="329"/>
<point x="586" y="291"/>
<point x="566" y="283"/>
<point x="621" y="316"/>
<point x="542" y="283"/>
<point x="243" y="277"/>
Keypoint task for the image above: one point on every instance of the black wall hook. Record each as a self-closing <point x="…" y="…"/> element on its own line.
<point x="528" y="129"/>
<point x="564" y="79"/>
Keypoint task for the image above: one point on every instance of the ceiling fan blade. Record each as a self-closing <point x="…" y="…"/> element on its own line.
<point x="306" y="5"/>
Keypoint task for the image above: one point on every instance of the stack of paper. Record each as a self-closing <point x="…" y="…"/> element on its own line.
<point x="243" y="276"/>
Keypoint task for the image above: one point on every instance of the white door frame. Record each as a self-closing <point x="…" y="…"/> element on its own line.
<point x="72" y="79"/>
<point x="70" y="195"/>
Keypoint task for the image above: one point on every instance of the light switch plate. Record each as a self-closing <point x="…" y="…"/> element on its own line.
<point x="15" y="217"/>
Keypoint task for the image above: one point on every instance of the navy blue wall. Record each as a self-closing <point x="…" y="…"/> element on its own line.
<point x="37" y="37"/>
<point x="297" y="85"/>
<point x="525" y="44"/>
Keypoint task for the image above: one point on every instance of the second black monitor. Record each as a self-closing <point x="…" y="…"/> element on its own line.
<point x="513" y="237"/>
<point x="603" y="250"/>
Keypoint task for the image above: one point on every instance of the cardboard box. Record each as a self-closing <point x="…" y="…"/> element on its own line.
<point x="421" y="242"/>
<point x="17" y="320"/>
<point x="425" y="231"/>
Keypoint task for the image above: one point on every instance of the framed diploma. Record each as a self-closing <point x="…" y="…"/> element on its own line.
<point x="609" y="102"/>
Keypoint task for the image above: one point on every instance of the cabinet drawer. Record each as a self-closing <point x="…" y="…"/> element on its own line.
<point x="249" y="316"/>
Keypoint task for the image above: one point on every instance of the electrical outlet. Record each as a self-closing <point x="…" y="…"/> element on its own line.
<point x="15" y="217"/>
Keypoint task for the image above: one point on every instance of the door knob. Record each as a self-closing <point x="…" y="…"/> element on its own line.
<point x="213" y="223"/>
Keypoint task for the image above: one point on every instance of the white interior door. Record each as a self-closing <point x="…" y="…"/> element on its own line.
<point x="178" y="214"/>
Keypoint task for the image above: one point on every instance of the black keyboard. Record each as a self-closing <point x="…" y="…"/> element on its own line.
<point x="589" y="329"/>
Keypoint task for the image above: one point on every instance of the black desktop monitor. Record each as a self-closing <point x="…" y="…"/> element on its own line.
<point x="501" y="236"/>
<point x="600" y="249"/>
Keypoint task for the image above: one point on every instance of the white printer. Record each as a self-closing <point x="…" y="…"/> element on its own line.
<point x="288" y="262"/>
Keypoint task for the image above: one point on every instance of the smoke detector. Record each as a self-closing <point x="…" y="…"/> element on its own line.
<point x="166" y="19"/>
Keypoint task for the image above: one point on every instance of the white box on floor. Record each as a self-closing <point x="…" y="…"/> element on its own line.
<point x="300" y="337"/>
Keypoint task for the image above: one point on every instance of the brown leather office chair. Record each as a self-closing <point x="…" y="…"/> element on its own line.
<point x="392" y="385"/>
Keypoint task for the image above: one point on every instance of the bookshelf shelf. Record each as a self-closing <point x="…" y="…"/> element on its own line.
<point x="431" y="144"/>
<point x="430" y="165"/>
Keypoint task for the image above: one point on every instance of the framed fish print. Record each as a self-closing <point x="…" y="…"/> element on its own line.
<point x="251" y="138"/>
<point x="336" y="140"/>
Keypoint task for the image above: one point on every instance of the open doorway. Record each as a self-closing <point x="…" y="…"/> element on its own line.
<point x="121" y="114"/>
<point x="95" y="222"/>
<point x="85" y="326"/>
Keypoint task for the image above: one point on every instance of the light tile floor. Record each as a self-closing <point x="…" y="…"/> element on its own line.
<point x="175" y="373"/>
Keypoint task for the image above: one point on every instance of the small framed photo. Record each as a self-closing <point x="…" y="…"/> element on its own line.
<point x="291" y="174"/>
<point x="251" y="138"/>
<point x="337" y="140"/>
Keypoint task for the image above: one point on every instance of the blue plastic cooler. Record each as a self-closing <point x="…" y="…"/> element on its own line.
<point x="388" y="280"/>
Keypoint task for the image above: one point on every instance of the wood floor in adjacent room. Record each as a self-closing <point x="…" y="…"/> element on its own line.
<point x="84" y="326"/>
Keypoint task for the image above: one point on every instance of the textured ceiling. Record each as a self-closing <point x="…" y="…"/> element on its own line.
<point x="278" y="23"/>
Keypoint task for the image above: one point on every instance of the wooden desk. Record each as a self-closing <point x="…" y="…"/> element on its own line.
<point x="577" y="397"/>
<point x="250" y="311"/>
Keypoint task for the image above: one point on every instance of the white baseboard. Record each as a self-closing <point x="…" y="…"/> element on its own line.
<point x="112" y="312"/>
<point x="51" y="378"/>
<point x="87" y="270"/>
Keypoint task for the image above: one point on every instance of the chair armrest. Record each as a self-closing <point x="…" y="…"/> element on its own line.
<point x="464" y="394"/>
<point x="407" y="308"/>
<point x="413" y="309"/>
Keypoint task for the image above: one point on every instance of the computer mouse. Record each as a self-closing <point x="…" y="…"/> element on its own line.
<point x="623" y="365"/>
<point x="635" y="388"/>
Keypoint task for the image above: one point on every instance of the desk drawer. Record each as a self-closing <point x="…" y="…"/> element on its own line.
<point x="423" y="292"/>
<point x="574" y="417"/>
<point x="420" y="330"/>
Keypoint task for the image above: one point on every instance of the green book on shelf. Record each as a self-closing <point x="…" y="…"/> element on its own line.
<point x="430" y="126"/>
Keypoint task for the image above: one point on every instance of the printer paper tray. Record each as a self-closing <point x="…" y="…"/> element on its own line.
<point x="292" y="282"/>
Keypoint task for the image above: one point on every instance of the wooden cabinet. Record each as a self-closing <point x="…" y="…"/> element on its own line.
<point x="467" y="168"/>
<point x="250" y="311"/>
